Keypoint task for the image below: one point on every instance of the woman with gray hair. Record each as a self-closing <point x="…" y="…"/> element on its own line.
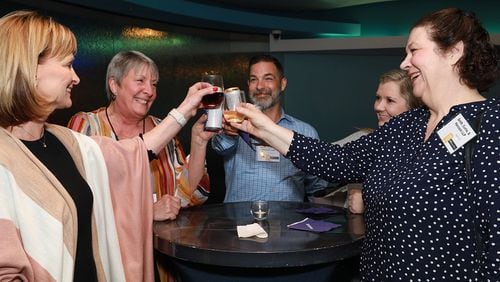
<point x="131" y="82"/>
<point x="178" y="181"/>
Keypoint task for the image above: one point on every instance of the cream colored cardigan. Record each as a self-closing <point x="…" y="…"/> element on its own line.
<point x="38" y="217"/>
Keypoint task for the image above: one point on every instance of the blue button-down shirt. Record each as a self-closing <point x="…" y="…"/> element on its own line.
<point x="248" y="179"/>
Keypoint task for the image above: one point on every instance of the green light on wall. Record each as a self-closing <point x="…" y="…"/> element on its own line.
<point x="334" y="35"/>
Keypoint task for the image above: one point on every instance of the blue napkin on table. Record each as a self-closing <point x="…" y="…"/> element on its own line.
<point x="318" y="210"/>
<point x="312" y="225"/>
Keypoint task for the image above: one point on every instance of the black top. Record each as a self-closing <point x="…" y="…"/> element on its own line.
<point x="420" y="213"/>
<point x="58" y="160"/>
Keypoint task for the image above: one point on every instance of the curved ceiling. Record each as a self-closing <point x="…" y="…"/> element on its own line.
<point x="295" y="18"/>
<point x="288" y="5"/>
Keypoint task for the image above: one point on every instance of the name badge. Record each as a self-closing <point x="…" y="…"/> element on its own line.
<point x="456" y="133"/>
<point x="267" y="154"/>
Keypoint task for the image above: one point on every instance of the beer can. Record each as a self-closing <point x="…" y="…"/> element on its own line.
<point x="231" y="89"/>
<point x="214" y="119"/>
<point x="232" y="93"/>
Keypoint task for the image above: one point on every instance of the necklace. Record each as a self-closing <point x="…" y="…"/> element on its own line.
<point x="40" y="140"/>
<point x="113" y="129"/>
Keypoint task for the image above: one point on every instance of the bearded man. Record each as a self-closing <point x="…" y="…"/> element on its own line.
<point x="253" y="170"/>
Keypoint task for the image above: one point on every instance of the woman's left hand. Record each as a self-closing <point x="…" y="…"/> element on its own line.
<point x="198" y="132"/>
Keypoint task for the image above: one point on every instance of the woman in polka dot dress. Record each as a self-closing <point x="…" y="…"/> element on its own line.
<point x="421" y="215"/>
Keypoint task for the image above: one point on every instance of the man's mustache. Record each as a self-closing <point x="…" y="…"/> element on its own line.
<point x="265" y="92"/>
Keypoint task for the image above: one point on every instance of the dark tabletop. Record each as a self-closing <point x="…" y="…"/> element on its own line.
<point x="207" y="234"/>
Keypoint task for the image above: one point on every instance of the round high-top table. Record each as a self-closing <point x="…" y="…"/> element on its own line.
<point x="205" y="239"/>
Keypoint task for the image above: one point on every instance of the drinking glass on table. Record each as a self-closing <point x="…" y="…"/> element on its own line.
<point x="259" y="209"/>
<point x="214" y="100"/>
<point x="233" y="97"/>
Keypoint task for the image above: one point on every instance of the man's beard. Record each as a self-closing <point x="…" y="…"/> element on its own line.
<point x="265" y="103"/>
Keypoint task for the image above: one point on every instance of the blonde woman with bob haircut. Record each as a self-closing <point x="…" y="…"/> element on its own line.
<point x="72" y="207"/>
<point x="393" y="97"/>
<point x="405" y="89"/>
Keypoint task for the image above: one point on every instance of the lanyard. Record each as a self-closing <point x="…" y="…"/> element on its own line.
<point x="246" y="137"/>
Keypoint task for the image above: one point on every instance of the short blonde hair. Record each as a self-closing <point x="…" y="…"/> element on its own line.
<point x="405" y="88"/>
<point x="26" y="38"/>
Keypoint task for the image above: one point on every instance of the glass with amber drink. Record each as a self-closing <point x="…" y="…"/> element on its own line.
<point x="232" y="98"/>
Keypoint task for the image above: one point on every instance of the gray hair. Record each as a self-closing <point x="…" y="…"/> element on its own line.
<point x="122" y="63"/>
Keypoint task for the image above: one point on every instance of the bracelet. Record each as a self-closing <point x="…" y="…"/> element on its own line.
<point x="179" y="118"/>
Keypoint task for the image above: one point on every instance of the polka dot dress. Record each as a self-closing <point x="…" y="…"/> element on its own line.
<point x="421" y="216"/>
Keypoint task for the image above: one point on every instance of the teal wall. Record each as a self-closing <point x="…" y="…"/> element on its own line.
<point x="333" y="92"/>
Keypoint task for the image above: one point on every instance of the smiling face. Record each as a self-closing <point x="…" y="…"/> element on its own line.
<point x="428" y="67"/>
<point x="55" y="79"/>
<point x="136" y="92"/>
<point x="265" y="85"/>
<point x="389" y="102"/>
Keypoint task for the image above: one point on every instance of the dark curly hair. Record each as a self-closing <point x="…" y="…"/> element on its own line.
<point x="478" y="67"/>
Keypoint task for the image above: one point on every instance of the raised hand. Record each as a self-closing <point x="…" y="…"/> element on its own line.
<point x="260" y="125"/>
<point x="195" y="93"/>
<point x="198" y="132"/>
<point x="256" y="121"/>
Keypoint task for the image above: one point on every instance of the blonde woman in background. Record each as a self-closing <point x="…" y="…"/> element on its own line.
<point x="394" y="96"/>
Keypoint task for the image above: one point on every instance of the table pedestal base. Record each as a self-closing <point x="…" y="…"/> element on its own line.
<point x="194" y="272"/>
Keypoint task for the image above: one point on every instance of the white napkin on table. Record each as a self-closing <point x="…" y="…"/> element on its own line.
<point x="249" y="230"/>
